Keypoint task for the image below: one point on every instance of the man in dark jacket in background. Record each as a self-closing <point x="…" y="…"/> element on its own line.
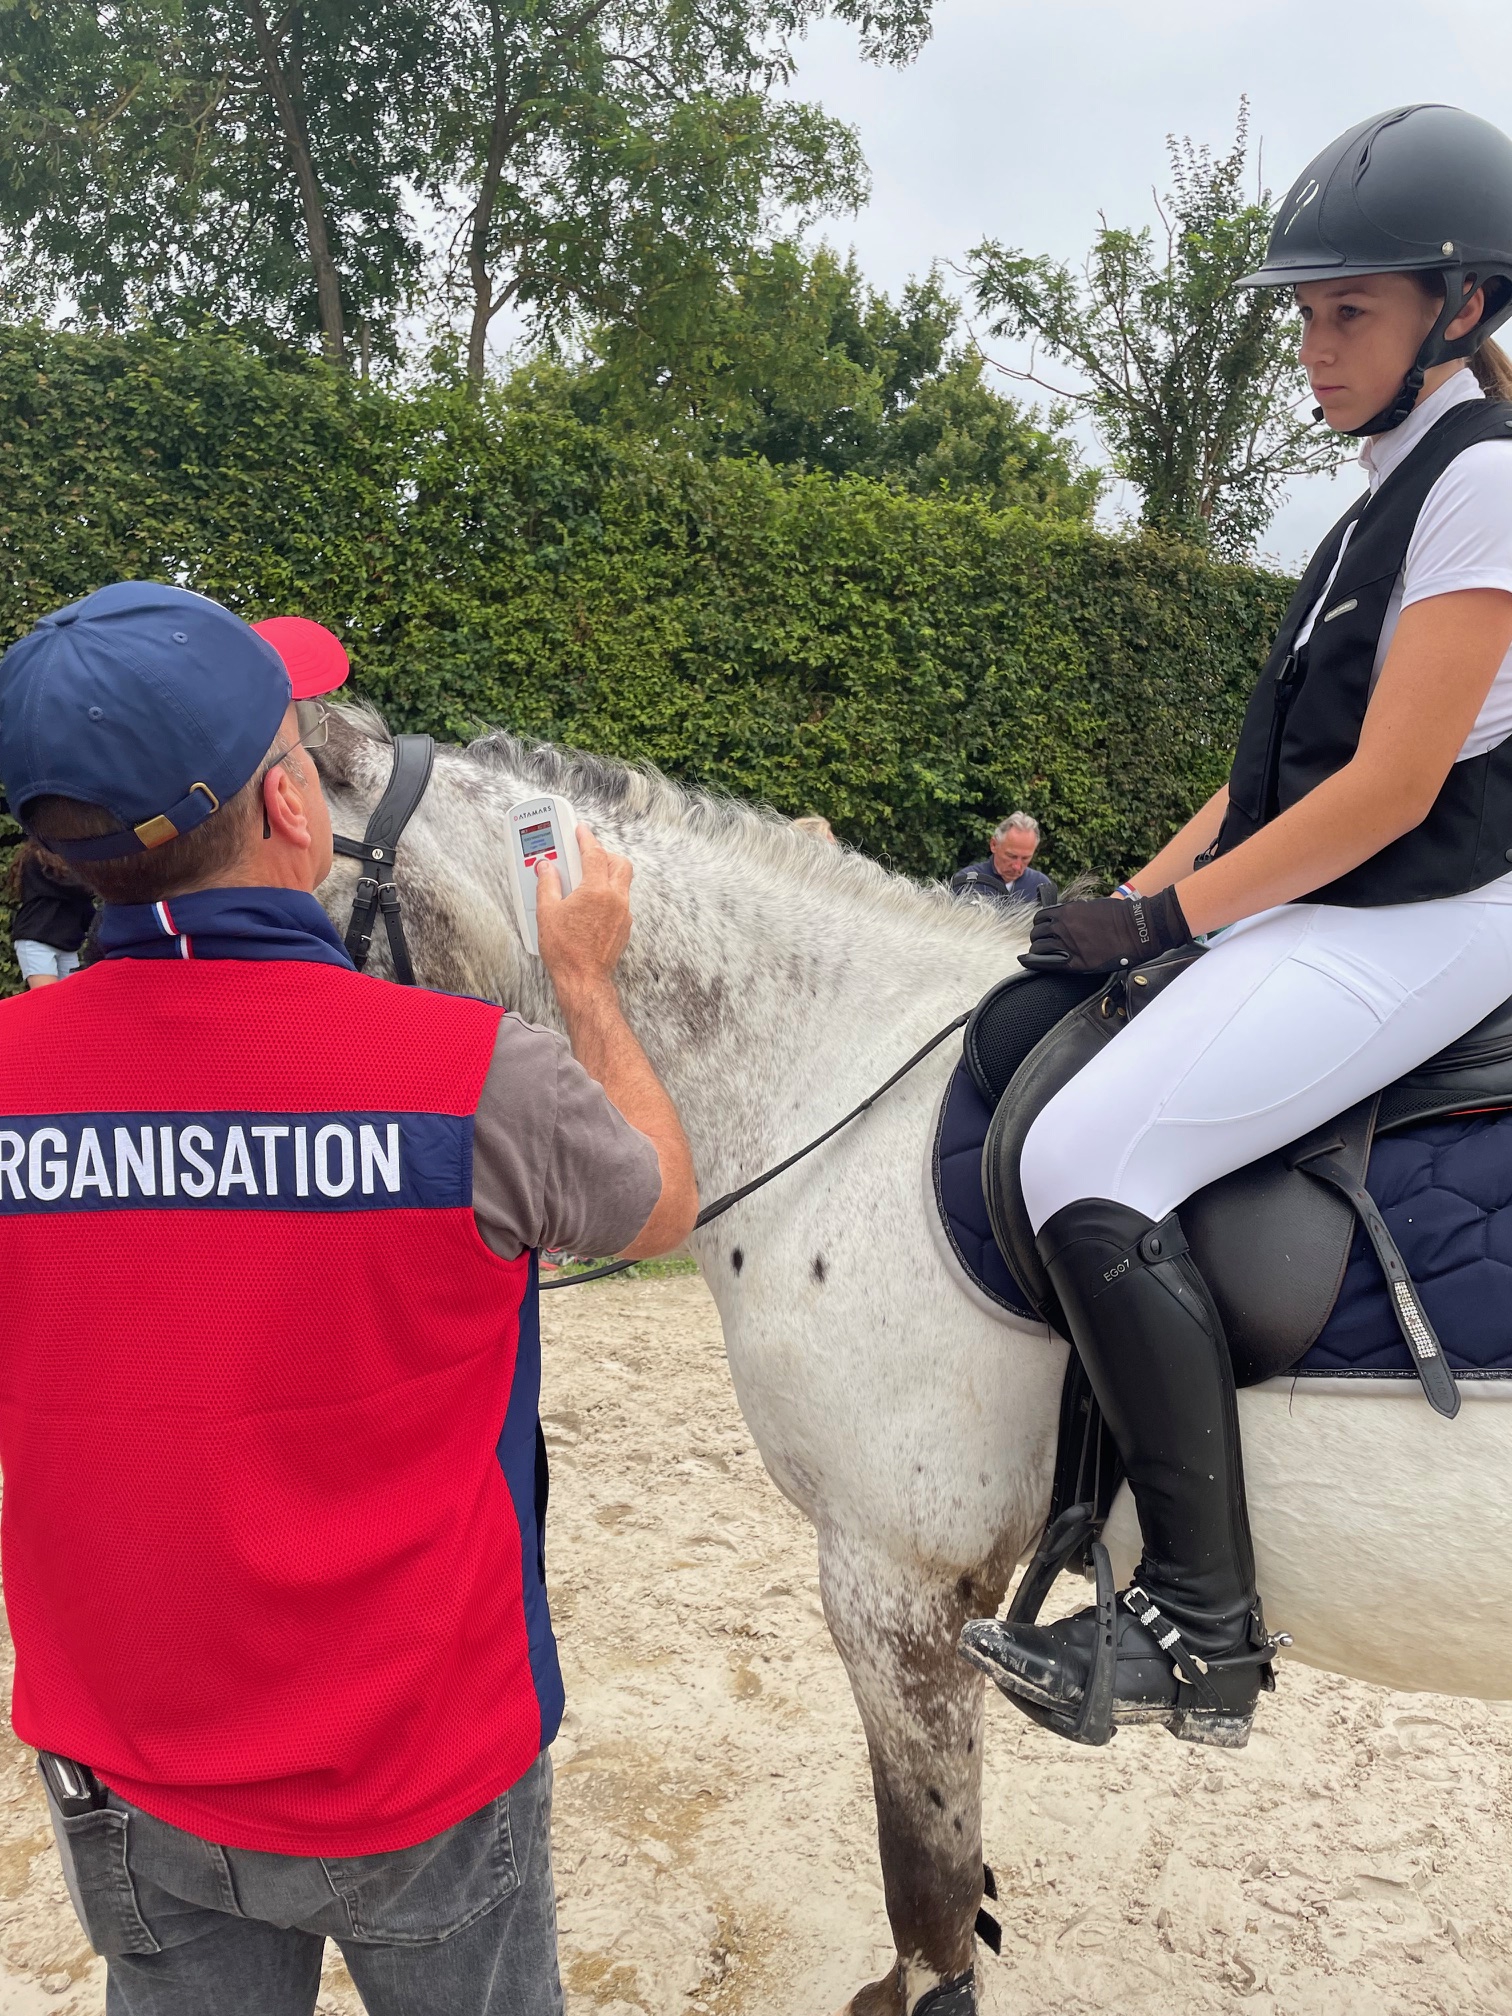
<point x="52" y="916"/>
<point x="1005" y="876"/>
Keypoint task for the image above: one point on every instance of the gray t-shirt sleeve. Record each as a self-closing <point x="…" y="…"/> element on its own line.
<point x="554" y="1162"/>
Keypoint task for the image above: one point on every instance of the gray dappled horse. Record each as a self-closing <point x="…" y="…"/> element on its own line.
<point x="775" y="981"/>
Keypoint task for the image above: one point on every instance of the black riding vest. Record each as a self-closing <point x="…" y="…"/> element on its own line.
<point x="1304" y="717"/>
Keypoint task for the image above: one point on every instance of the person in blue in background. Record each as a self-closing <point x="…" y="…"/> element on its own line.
<point x="1006" y="876"/>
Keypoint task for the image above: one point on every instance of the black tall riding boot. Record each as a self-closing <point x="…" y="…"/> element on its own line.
<point x="1191" y="1650"/>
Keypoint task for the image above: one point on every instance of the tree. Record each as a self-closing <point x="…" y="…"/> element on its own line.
<point x="1192" y="383"/>
<point x="957" y="437"/>
<point x="187" y="160"/>
<point x="790" y="357"/>
<point x="214" y="159"/>
<point x="624" y="145"/>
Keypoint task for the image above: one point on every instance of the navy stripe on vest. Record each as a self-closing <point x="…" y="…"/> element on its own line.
<point x="234" y="1162"/>
<point x="522" y="1458"/>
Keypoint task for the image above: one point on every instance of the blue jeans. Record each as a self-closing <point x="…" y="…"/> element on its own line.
<point x="462" y="1925"/>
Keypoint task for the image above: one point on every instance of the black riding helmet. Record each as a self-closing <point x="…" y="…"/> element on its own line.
<point x="1423" y="189"/>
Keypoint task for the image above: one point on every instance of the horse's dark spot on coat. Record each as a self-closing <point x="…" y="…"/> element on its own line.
<point x="965" y="1594"/>
<point x="934" y="1797"/>
<point x="819" y="1269"/>
<point x="696" y="1004"/>
<point x="737" y="1259"/>
<point x="958" y="1827"/>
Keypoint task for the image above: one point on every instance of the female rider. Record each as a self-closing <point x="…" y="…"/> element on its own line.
<point x="1356" y="864"/>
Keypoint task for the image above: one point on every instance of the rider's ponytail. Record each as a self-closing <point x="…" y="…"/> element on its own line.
<point x="1493" y="370"/>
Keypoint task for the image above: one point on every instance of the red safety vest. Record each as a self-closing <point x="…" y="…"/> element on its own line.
<point x="267" y="1405"/>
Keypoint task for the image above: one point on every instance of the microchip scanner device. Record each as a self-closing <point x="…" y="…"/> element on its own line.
<point x="541" y="830"/>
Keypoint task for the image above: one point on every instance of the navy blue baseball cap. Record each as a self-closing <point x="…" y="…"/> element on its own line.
<point x="148" y="700"/>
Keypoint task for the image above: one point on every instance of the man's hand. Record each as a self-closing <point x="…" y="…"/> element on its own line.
<point x="581" y="938"/>
<point x="583" y="935"/>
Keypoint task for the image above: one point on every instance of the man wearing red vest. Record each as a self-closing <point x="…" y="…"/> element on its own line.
<point x="272" y="1538"/>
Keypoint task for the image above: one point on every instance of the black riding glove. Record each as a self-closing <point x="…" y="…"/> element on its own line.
<point x="1106" y="934"/>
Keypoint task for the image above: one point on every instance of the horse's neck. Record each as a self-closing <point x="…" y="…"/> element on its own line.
<point x="769" y="1003"/>
<point x="772" y="987"/>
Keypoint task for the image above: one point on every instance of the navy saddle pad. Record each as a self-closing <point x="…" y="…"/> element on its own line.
<point x="1444" y="1188"/>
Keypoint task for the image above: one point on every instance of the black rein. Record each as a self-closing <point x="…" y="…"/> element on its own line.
<point x="722" y="1204"/>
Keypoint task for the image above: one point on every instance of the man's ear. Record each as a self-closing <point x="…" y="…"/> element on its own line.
<point x="284" y="813"/>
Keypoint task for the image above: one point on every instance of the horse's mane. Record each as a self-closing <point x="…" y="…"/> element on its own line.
<point x="756" y="835"/>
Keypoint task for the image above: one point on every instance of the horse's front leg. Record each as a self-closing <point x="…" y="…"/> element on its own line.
<point x="896" y="1630"/>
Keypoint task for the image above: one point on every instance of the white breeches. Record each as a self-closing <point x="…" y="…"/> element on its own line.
<point x="1291" y="1017"/>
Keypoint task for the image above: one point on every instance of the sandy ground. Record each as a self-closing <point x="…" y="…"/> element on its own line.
<point x="714" y="1828"/>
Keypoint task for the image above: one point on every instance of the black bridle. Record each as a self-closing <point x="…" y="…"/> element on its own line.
<point x="379" y="847"/>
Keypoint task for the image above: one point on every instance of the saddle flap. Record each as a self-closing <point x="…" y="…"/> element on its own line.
<point x="1052" y="1063"/>
<point x="1272" y="1241"/>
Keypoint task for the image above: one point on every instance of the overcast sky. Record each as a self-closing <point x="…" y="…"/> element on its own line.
<point x="1020" y="122"/>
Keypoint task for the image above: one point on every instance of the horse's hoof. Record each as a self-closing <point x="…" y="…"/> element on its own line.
<point x="951" y="1998"/>
<point x="955" y="1997"/>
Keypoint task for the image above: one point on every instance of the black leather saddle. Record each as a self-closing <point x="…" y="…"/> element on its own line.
<point x="1272" y="1239"/>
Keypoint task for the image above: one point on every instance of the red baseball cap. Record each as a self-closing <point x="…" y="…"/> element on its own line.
<point x="313" y="656"/>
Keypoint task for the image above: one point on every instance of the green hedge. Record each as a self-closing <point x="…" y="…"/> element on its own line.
<point x="909" y="667"/>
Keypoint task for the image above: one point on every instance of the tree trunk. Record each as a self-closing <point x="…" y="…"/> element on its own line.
<point x="327" y="280"/>
<point x="501" y="137"/>
<point x="512" y="114"/>
<point x="482" y="286"/>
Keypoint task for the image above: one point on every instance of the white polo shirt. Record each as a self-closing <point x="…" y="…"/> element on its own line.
<point x="1462" y="539"/>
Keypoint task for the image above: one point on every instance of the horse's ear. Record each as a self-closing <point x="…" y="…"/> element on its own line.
<point x="339" y="759"/>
